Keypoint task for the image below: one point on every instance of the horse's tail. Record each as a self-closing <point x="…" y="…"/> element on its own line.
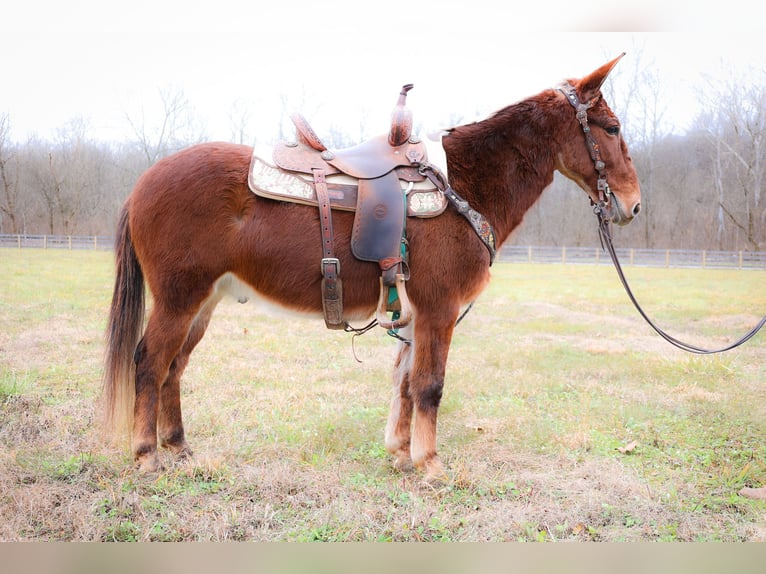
<point x="126" y="321"/>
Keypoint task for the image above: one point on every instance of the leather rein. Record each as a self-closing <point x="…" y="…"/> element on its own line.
<point x="600" y="209"/>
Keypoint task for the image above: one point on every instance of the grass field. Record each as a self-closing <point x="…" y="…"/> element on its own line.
<point x="564" y="417"/>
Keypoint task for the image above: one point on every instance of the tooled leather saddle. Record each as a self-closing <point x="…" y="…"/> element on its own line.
<point x="380" y="180"/>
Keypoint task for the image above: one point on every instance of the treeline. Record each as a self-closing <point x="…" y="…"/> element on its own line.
<point x="701" y="190"/>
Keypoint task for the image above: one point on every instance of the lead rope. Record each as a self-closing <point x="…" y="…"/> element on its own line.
<point x="606" y="242"/>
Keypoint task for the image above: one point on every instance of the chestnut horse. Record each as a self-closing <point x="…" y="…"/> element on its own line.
<point x="194" y="232"/>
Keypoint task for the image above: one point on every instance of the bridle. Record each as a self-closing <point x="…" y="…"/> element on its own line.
<point x="601" y="211"/>
<point x="581" y="112"/>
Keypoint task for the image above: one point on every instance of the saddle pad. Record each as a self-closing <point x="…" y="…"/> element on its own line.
<point x="267" y="180"/>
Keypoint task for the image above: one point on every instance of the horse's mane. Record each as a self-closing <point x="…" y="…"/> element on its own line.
<point x="510" y="144"/>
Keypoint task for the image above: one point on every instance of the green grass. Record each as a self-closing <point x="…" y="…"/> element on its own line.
<point x="550" y="375"/>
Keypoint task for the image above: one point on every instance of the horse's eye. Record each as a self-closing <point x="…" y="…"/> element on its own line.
<point x="613" y="130"/>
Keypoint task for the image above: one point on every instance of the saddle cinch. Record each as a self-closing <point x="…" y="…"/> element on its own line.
<point x="380" y="181"/>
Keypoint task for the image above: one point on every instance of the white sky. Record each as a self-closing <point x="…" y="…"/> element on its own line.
<point x="101" y="60"/>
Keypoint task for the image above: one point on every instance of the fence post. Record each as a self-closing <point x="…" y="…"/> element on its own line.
<point x="95" y="242"/>
<point x="704" y="258"/>
<point x="740" y="260"/>
<point x="18" y="239"/>
<point x="631" y="256"/>
<point x="563" y="254"/>
<point x="667" y="258"/>
<point x="45" y="242"/>
<point x="69" y="242"/>
<point x="529" y="254"/>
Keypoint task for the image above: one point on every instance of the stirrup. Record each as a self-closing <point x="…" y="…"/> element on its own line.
<point x="405" y="313"/>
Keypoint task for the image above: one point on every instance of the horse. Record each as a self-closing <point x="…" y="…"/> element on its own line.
<point x="193" y="232"/>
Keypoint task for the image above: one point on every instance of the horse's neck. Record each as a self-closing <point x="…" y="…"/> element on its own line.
<point x="502" y="164"/>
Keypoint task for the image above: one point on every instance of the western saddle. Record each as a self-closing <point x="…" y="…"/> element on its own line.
<point x="382" y="180"/>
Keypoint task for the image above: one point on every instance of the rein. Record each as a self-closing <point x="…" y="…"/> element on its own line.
<point x="600" y="209"/>
<point x="606" y="242"/>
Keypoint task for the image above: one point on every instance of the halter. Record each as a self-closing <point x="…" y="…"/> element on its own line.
<point x="604" y="193"/>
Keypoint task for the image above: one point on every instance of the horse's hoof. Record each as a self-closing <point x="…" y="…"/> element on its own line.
<point x="434" y="474"/>
<point x="148" y="464"/>
<point x="180" y="452"/>
<point x="437" y="481"/>
<point x="184" y="454"/>
<point x="403" y="463"/>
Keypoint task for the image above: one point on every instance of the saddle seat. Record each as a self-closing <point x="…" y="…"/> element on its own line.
<point x="379" y="180"/>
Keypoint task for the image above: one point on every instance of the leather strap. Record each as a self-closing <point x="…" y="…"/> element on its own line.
<point x="581" y="110"/>
<point x="606" y="242"/>
<point x="332" y="288"/>
<point x="478" y="222"/>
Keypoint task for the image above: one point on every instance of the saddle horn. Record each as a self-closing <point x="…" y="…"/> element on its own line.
<point x="401" y="120"/>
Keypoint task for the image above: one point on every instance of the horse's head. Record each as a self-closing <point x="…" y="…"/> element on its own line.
<point x="593" y="153"/>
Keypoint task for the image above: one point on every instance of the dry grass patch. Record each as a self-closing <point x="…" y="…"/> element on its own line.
<point x="563" y="418"/>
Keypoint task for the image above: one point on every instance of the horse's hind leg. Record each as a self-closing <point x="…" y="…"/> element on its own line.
<point x="400" y="414"/>
<point x="170" y="421"/>
<point x="167" y="331"/>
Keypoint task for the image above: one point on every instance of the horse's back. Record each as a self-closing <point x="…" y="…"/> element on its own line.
<point x="191" y="181"/>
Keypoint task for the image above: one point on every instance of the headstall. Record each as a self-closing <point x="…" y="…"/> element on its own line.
<point x="604" y="193"/>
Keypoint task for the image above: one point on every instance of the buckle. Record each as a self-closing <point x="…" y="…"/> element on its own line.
<point x="330" y="261"/>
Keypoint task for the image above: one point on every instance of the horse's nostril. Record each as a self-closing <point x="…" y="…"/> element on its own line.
<point x="636" y="209"/>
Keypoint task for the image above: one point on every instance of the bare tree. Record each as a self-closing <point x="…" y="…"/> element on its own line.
<point x="68" y="175"/>
<point x="701" y="189"/>
<point x="9" y="178"/>
<point x="240" y="118"/>
<point x="49" y="183"/>
<point x="736" y="132"/>
<point x="298" y="101"/>
<point x="175" y="128"/>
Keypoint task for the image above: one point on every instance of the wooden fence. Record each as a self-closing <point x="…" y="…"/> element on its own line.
<point x="508" y="254"/>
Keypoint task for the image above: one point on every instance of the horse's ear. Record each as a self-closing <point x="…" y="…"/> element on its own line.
<point x="591" y="84"/>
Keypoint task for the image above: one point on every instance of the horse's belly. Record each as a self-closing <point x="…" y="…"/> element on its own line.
<point x="232" y="286"/>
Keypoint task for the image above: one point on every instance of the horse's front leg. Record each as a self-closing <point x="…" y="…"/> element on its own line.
<point x="431" y="342"/>
<point x="400" y="415"/>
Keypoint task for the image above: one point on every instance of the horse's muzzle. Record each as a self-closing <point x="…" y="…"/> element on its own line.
<point x="618" y="212"/>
